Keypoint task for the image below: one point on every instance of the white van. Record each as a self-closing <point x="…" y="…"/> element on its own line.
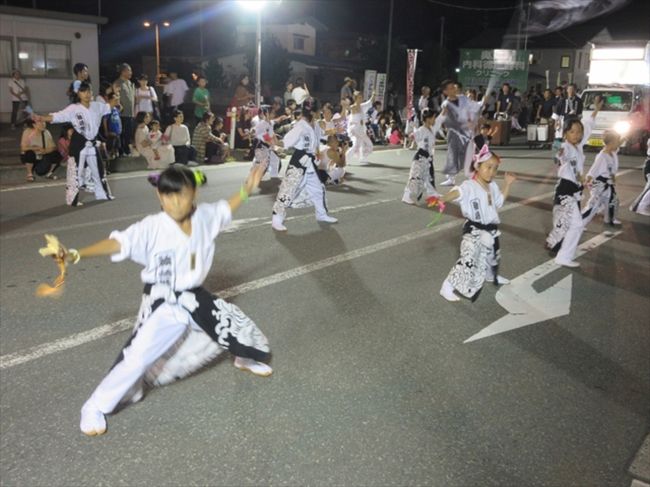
<point x="616" y="113"/>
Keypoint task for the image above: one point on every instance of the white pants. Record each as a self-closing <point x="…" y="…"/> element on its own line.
<point x="336" y="173"/>
<point x="299" y="191"/>
<point x="571" y="239"/>
<point x="151" y="340"/>
<point x="361" y="144"/>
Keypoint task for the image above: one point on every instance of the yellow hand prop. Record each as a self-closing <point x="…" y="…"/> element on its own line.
<point x="60" y="254"/>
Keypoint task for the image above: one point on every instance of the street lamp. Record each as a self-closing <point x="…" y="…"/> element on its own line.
<point x="148" y="24"/>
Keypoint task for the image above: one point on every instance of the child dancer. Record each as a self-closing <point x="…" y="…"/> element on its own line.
<point x="262" y="145"/>
<point x="301" y="185"/>
<point x="332" y="157"/>
<point x="86" y="118"/>
<point x="176" y="247"/>
<point x="422" y="177"/>
<point x="479" y="199"/>
<point x="601" y="179"/>
<point x="567" y="218"/>
<point x="460" y="114"/>
<point x="361" y="144"/>
<point x="641" y="204"/>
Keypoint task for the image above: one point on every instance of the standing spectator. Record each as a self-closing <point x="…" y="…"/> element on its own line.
<point x="504" y="100"/>
<point x="175" y="90"/>
<point x="112" y="127"/>
<point x="571" y="106"/>
<point x="145" y="96"/>
<point x="490" y="104"/>
<point x="515" y="110"/>
<point x="81" y="75"/>
<point x="201" y="98"/>
<point x="38" y="151"/>
<point x="127" y="101"/>
<point x="300" y="92"/>
<point x="178" y="135"/>
<point x="242" y="94"/>
<point x="19" y="97"/>
<point x="287" y="92"/>
<point x="347" y="90"/>
<point x="545" y="109"/>
<point x="426" y="101"/>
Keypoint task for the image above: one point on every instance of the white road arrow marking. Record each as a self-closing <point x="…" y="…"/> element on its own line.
<point x="526" y="306"/>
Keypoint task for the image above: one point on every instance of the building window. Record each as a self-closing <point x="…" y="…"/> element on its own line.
<point x="44" y="58"/>
<point x="565" y="62"/>
<point x="6" y="57"/>
<point x="298" y="43"/>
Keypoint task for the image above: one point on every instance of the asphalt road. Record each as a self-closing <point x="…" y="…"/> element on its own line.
<point x="373" y="383"/>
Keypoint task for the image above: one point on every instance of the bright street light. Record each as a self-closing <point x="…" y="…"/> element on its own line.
<point x="148" y="24"/>
<point x="257" y="6"/>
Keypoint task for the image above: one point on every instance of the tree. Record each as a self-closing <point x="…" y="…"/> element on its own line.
<point x="276" y="66"/>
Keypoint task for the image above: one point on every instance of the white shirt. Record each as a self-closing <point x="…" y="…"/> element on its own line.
<point x="178" y="134"/>
<point x="263" y="129"/>
<point x="474" y="204"/>
<point x="302" y="137"/>
<point x="425" y="139"/>
<point x="17" y="86"/>
<point x="177" y="89"/>
<point x="605" y="165"/>
<point x="170" y="256"/>
<point x="145" y="104"/>
<point x="356" y="118"/>
<point x="572" y="157"/>
<point x="299" y="94"/>
<point x="86" y="121"/>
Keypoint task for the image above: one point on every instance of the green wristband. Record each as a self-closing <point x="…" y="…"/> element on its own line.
<point x="243" y="194"/>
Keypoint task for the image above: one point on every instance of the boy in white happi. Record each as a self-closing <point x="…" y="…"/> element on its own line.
<point x="479" y="199"/>
<point x="86" y="119"/>
<point x="567" y="217"/>
<point x="301" y="186"/>
<point x="361" y="143"/>
<point x="421" y="177"/>
<point x="176" y="248"/>
<point x="641" y="204"/>
<point x="601" y="179"/>
<point x="263" y="143"/>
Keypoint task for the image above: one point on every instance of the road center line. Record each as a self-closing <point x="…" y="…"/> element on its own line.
<point x="77" y="339"/>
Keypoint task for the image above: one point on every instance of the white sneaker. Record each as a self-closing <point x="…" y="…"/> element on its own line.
<point x="253" y="366"/>
<point x="407" y="198"/>
<point x="93" y="421"/>
<point x="327" y="219"/>
<point x="643" y="212"/>
<point x="616" y="221"/>
<point x="568" y="263"/>
<point x="450" y="181"/>
<point x="192" y="163"/>
<point x="447" y="292"/>
<point x="277" y="225"/>
<point x="364" y="163"/>
<point x="501" y="281"/>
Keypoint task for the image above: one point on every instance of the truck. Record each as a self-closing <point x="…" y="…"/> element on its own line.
<point x="621" y="76"/>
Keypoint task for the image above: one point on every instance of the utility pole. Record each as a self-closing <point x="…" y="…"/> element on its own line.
<point x="390" y="41"/>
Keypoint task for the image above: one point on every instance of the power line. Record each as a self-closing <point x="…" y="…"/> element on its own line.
<point x="483" y="9"/>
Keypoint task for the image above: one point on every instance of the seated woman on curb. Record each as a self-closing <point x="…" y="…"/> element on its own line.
<point x="38" y="151"/>
<point x="205" y="143"/>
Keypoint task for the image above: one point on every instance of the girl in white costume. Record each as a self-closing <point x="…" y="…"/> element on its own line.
<point x="601" y="180"/>
<point x="421" y="177"/>
<point x="86" y="119"/>
<point x="361" y="144"/>
<point x="479" y="199"/>
<point x="263" y="143"/>
<point x="567" y="217"/>
<point x="176" y="248"/>
<point x="301" y="186"/>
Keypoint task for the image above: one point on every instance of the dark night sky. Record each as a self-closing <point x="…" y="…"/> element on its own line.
<point x="415" y="21"/>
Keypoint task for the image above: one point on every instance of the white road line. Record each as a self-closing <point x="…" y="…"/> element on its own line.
<point x="39" y="351"/>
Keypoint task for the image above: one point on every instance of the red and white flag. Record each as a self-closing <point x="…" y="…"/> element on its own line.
<point x="412" y="55"/>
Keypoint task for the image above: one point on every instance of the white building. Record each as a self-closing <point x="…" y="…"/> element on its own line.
<point x="44" y="45"/>
<point x="297" y="37"/>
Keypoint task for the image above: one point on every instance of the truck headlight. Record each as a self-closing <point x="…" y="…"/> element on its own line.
<point x="622" y="127"/>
